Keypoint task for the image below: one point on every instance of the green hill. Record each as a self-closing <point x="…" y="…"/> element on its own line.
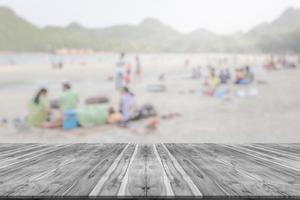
<point x="17" y="34"/>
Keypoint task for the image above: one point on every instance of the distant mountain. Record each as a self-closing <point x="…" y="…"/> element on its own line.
<point x="279" y="35"/>
<point x="287" y="21"/>
<point x="16" y="34"/>
<point x="151" y="35"/>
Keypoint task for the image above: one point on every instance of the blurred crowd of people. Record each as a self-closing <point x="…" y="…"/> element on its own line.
<point x="214" y="77"/>
<point x="66" y="112"/>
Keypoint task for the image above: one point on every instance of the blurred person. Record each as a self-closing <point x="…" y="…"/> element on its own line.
<point x="270" y="64"/>
<point x="39" y="109"/>
<point x="60" y="65"/>
<point x="206" y="72"/>
<point x="244" y="76"/>
<point x="67" y="102"/>
<point x="249" y="75"/>
<point x="186" y="63"/>
<point x="228" y="74"/>
<point x="127" y="104"/>
<point x="213" y="82"/>
<point x="162" y="77"/>
<point x="196" y="72"/>
<point x="224" y="76"/>
<point x="119" y="73"/>
<point x="69" y="99"/>
<point x="239" y="75"/>
<point x="138" y="68"/>
<point x="127" y="76"/>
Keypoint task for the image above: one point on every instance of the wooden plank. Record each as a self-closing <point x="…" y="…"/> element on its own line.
<point x="112" y="185"/>
<point x="30" y="157"/>
<point x="216" y="171"/>
<point x="180" y="182"/>
<point x="291" y="162"/>
<point x="277" y="153"/>
<point x="79" y="178"/>
<point x="20" y="177"/>
<point x="65" y="175"/>
<point x="7" y="148"/>
<point x="268" y="160"/>
<point x="268" y="176"/>
<point x="145" y="174"/>
<point x="98" y="187"/>
<point x="201" y="177"/>
<point x="232" y="179"/>
<point x="124" y="182"/>
<point x="21" y="152"/>
<point x="86" y="181"/>
<point x="289" y="149"/>
<point x="149" y="170"/>
<point x="169" y="190"/>
<point x="7" y="162"/>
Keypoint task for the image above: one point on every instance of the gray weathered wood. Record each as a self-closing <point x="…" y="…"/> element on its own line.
<point x="145" y="175"/>
<point x="150" y="170"/>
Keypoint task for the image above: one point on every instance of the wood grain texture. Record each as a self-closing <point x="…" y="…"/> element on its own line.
<point x="180" y="186"/>
<point x="150" y="170"/>
<point x="145" y="174"/>
<point x="275" y="179"/>
<point x="113" y="183"/>
<point x="232" y="180"/>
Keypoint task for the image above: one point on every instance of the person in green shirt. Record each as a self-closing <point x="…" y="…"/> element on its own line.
<point x="69" y="99"/>
<point x="38" y="109"/>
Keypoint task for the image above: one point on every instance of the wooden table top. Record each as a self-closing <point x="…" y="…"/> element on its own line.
<point x="185" y="170"/>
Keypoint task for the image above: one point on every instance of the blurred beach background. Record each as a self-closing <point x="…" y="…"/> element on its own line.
<point x="269" y="116"/>
<point x="267" y="110"/>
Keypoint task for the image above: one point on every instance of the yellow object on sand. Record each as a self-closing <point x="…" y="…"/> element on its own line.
<point x="213" y="82"/>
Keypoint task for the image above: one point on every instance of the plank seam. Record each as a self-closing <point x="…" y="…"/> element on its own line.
<point x="30" y="158"/>
<point x="166" y="179"/>
<point x="243" y="150"/>
<point x="186" y="177"/>
<point x="107" y="174"/>
<point x="122" y="190"/>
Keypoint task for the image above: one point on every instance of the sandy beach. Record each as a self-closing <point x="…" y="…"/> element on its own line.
<point x="273" y="115"/>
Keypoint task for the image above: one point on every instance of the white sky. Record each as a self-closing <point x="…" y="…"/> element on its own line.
<point x="220" y="16"/>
